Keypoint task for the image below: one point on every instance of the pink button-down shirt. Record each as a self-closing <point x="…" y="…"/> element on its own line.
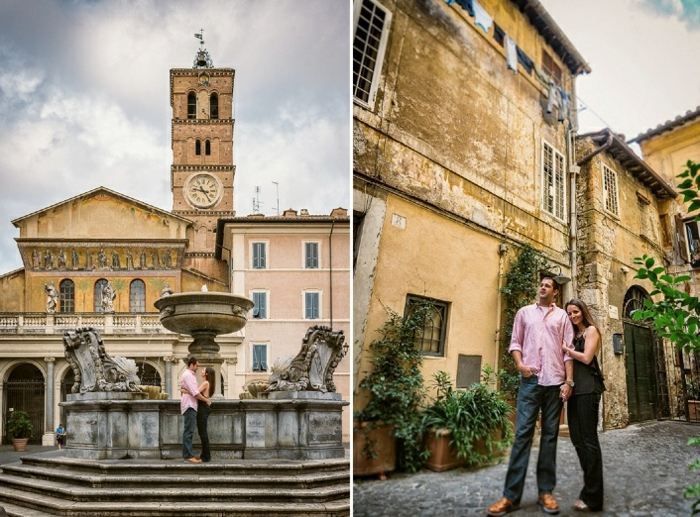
<point x="538" y="333"/>
<point x="188" y="381"/>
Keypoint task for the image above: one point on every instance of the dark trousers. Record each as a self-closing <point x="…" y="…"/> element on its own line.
<point x="202" y="417"/>
<point x="531" y="399"/>
<point x="190" y="418"/>
<point x="583" y="426"/>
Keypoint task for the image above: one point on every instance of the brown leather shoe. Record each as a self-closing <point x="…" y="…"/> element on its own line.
<point x="194" y="459"/>
<point x="548" y="504"/>
<point x="501" y="507"/>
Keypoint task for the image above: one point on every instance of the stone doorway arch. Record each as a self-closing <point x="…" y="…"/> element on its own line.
<point x="24" y="390"/>
<point x="647" y="390"/>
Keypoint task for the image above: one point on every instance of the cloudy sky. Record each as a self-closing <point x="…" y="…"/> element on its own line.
<point x="644" y="60"/>
<point x="84" y="100"/>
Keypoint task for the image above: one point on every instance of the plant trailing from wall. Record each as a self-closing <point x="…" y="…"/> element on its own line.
<point x="477" y="419"/>
<point x="676" y="314"/>
<point x="519" y="289"/>
<point x="395" y="385"/>
<point x="19" y="425"/>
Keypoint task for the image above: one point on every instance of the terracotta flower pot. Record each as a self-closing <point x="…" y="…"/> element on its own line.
<point x="443" y="456"/>
<point x="382" y="443"/>
<point x="20" y="444"/>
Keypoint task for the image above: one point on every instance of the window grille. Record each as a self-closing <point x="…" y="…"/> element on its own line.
<point x="610" y="190"/>
<point x="432" y="338"/>
<point x="553" y="187"/>
<point x="369" y="42"/>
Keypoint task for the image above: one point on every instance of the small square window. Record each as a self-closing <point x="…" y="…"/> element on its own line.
<point x="311" y="255"/>
<point x="260" y="307"/>
<point x="432" y="338"/>
<point x="259" y="358"/>
<point x="259" y="255"/>
<point x="312" y="305"/>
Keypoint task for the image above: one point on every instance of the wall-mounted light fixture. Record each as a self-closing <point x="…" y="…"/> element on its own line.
<point x="554" y="272"/>
<point x="618" y="344"/>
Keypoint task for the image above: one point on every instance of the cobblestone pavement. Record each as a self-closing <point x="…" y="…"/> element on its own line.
<point x="645" y="472"/>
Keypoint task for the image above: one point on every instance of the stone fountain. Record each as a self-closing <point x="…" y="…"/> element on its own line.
<point x="273" y="455"/>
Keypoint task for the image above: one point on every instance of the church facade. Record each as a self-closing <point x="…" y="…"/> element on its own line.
<point x="100" y="259"/>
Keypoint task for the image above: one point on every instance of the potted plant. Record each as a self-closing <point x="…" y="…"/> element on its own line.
<point x="469" y="426"/>
<point x="392" y="396"/>
<point x="19" y="428"/>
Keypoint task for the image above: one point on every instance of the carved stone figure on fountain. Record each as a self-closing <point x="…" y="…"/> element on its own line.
<point x="313" y="367"/>
<point x="51" y="297"/>
<point x="93" y="368"/>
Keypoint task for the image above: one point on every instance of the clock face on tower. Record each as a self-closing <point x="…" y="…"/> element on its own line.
<point x="203" y="190"/>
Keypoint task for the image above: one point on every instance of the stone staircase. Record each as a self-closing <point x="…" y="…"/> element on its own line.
<point x="48" y="484"/>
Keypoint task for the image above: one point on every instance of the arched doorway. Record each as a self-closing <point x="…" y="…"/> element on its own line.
<point x="647" y="392"/>
<point x="24" y="391"/>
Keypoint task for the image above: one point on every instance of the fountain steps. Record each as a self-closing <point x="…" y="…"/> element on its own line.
<point x="70" y="486"/>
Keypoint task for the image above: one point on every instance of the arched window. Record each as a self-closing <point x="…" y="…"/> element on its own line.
<point x="99" y="285"/>
<point x="207" y="147"/>
<point x="137" y="296"/>
<point x="66" y="296"/>
<point x="148" y="374"/>
<point x="191" y="105"/>
<point x="214" y="106"/>
<point x="634" y="300"/>
<point x="198" y="147"/>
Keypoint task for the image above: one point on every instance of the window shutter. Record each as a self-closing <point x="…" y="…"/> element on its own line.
<point x="680" y="237"/>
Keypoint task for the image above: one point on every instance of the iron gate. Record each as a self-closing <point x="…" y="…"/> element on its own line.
<point x="25" y="395"/>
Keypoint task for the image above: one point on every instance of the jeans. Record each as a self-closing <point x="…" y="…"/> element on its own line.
<point x="531" y="398"/>
<point x="583" y="425"/>
<point x="202" y="416"/>
<point x="190" y="418"/>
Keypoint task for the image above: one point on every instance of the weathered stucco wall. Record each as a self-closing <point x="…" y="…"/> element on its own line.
<point x="452" y="151"/>
<point x="607" y="245"/>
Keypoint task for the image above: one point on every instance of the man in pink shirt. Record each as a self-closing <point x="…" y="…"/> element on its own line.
<point x="188" y="407"/>
<point x="546" y="381"/>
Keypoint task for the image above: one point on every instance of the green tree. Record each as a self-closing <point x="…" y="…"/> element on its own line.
<point x="675" y="314"/>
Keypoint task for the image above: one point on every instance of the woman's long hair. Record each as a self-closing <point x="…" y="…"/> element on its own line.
<point x="210" y="374"/>
<point x="588" y="320"/>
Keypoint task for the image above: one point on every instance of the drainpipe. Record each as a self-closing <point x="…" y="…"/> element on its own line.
<point x="330" y="271"/>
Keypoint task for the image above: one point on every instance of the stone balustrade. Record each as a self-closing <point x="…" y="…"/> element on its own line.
<point x="105" y="323"/>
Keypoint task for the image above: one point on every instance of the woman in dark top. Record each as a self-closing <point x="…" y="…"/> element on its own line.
<point x="584" y="403"/>
<point x="207" y="389"/>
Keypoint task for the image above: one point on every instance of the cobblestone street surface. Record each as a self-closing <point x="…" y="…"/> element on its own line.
<point x="645" y="471"/>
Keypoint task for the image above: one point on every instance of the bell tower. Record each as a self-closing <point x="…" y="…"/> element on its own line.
<point x="202" y="171"/>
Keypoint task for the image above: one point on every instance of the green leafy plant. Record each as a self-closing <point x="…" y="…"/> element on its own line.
<point x="675" y="314"/>
<point x="19" y="425"/>
<point x="519" y="289"/>
<point x="477" y="418"/>
<point x="395" y="385"/>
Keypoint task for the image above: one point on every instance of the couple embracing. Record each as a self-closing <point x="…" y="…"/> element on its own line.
<point x="554" y="350"/>
<point x="195" y="402"/>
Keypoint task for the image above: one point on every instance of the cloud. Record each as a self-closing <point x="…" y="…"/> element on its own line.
<point x="84" y="99"/>
<point x="687" y="11"/>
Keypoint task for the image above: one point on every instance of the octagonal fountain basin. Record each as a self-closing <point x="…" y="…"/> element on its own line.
<point x="203" y="312"/>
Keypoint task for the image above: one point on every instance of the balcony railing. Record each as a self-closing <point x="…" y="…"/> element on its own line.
<point x="106" y="323"/>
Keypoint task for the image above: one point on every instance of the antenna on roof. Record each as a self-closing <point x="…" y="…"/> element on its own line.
<point x="200" y="36"/>
<point x="277" y="186"/>
<point x="256" y="200"/>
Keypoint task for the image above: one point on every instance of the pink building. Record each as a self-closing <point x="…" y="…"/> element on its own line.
<point x="296" y="268"/>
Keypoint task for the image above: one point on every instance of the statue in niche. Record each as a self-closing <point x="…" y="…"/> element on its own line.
<point x="142" y="260"/>
<point x="88" y="261"/>
<point x="101" y="259"/>
<point x="313" y="367"/>
<point x="108" y="296"/>
<point x="156" y="260"/>
<point x="36" y="261"/>
<point x="167" y="260"/>
<point x="129" y="261"/>
<point x="94" y="370"/>
<point x="62" y="260"/>
<point x="115" y="261"/>
<point x="75" y="263"/>
<point x="51" y="297"/>
<point x="48" y="260"/>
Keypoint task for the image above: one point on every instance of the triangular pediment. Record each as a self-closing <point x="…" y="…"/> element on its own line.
<point x="101" y="213"/>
